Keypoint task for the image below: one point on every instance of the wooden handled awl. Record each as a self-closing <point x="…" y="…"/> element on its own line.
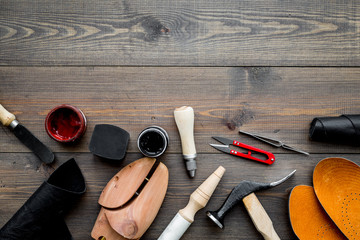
<point x="25" y="136"/>
<point x="198" y="200"/>
<point x="184" y="118"/>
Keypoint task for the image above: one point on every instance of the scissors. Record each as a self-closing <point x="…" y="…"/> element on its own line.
<point x="226" y="149"/>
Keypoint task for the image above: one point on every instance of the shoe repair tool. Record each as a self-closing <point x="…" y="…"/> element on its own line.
<point x="226" y="149"/>
<point x="337" y="187"/>
<point x="109" y="141"/>
<point x="153" y="141"/>
<point x="308" y="218"/>
<point x="198" y="200"/>
<point x="131" y="200"/>
<point x="245" y="191"/>
<point x="273" y="142"/>
<point x="25" y="136"/>
<point x="184" y="118"/>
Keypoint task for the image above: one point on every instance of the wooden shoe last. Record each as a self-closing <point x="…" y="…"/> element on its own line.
<point x="129" y="207"/>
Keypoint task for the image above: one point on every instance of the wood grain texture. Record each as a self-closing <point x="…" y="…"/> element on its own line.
<point x="133" y="219"/>
<point x="180" y="33"/>
<point x="21" y="174"/>
<point x="259" y="217"/>
<point x="267" y="67"/>
<point x="275" y="102"/>
<point x="125" y="183"/>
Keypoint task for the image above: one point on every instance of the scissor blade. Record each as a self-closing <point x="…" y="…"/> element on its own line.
<point x="222" y="148"/>
<point x="223" y="140"/>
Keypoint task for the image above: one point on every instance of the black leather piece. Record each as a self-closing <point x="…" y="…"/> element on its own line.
<point x="109" y="141"/>
<point x="41" y="217"/>
<point x="344" y="129"/>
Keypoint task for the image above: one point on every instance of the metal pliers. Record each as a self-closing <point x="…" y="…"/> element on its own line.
<point x="270" y="158"/>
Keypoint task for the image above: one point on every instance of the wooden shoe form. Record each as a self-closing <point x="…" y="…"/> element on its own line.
<point x="122" y="216"/>
<point x="308" y="219"/>
<point x="337" y="187"/>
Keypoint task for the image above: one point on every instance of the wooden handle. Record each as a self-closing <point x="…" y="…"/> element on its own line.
<point x="259" y="217"/>
<point x="176" y="228"/>
<point x="200" y="197"/>
<point x="184" y="118"/>
<point x="6" y="117"/>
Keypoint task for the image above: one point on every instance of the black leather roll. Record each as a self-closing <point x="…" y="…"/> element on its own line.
<point x="344" y="129"/>
<point x="41" y="217"/>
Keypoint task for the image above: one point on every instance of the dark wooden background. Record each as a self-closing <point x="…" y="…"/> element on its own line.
<point x="267" y="67"/>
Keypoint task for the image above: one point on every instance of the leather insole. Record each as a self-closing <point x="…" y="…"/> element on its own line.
<point x="308" y="218"/>
<point x="337" y="187"/>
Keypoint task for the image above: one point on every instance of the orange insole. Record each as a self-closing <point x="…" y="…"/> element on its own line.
<point x="337" y="187"/>
<point x="308" y="219"/>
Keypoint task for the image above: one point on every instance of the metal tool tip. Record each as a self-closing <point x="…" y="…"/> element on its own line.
<point x="273" y="184"/>
<point x="192" y="173"/>
<point x="217" y="222"/>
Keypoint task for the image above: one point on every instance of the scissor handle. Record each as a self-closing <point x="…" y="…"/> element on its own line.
<point x="270" y="157"/>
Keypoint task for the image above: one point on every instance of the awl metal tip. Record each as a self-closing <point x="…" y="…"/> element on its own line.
<point x="192" y="173"/>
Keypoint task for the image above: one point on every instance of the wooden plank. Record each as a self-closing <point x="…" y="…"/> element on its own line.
<point x="21" y="174"/>
<point x="275" y="102"/>
<point x="180" y="33"/>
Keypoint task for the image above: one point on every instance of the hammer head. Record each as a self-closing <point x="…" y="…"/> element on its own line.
<point x="242" y="190"/>
<point x="216" y="218"/>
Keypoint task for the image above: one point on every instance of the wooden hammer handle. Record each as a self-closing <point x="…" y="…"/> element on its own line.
<point x="5" y="116"/>
<point x="259" y="217"/>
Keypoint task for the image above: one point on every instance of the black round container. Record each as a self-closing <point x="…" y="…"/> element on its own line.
<point x="153" y="141"/>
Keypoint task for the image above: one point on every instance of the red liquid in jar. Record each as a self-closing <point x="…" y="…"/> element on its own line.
<point x="64" y="124"/>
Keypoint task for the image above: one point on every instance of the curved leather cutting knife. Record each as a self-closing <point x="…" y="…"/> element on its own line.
<point x="25" y="136"/>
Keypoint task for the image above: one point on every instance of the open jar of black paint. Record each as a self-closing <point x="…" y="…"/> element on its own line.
<point x="153" y="141"/>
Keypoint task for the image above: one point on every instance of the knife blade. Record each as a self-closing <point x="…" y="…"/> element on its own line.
<point x="25" y="136"/>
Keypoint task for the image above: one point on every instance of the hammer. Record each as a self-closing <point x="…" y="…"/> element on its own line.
<point x="245" y="191"/>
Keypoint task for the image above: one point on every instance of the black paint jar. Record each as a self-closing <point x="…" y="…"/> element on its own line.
<point x="153" y="141"/>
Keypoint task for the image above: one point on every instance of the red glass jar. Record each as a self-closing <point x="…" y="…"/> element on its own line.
<point x="65" y="123"/>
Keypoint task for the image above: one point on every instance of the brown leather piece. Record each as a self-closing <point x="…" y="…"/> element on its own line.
<point x="308" y="219"/>
<point x="337" y="187"/>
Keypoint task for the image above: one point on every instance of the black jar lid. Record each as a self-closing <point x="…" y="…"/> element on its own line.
<point x="153" y="141"/>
